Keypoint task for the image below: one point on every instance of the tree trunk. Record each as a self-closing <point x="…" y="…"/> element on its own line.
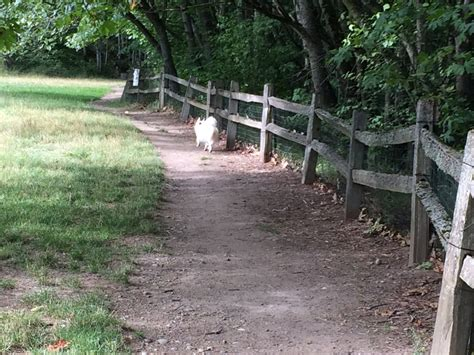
<point x="165" y="46"/>
<point x="189" y="31"/>
<point x="106" y="55"/>
<point x="420" y="28"/>
<point x="98" y="57"/>
<point x="162" y="45"/>
<point x="325" y="96"/>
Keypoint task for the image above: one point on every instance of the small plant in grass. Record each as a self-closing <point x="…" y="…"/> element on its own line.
<point x="139" y="334"/>
<point x="7" y="284"/>
<point x="121" y="273"/>
<point x="41" y="274"/>
<point x="418" y="341"/>
<point x="148" y="248"/>
<point x="72" y="282"/>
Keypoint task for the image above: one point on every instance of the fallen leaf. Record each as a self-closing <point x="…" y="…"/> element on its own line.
<point x="418" y="291"/>
<point x="58" y="345"/>
<point x="438" y="266"/>
<point x="385" y="312"/>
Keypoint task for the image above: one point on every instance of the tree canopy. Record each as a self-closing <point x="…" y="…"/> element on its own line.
<point x="379" y="56"/>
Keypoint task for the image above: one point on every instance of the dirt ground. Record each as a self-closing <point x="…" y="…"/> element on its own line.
<point x="258" y="263"/>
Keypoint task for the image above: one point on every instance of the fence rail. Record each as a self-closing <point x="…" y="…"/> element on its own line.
<point x="396" y="136"/>
<point x="456" y="234"/>
<point x="446" y="158"/>
<point x="426" y="206"/>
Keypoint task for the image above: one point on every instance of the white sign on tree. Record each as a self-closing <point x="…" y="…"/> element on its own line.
<point x="136" y="77"/>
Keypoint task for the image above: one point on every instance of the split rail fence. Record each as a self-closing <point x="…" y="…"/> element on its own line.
<point x="455" y="234"/>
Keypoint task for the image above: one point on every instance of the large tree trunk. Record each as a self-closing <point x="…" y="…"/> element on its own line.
<point x="162" y="44"/>
<point x="313" y="43"/>
<point x="189" y="31"/>
<point x="163" y="39"/>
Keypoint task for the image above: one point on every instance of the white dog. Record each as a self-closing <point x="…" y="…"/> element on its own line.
<point x="206" y="132"/>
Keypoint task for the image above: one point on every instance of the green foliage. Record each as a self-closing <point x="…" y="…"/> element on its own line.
<point x="426" y="265"/>
<point x="394" y="63"/>
<point x="9" y="27"/>
<point x="251" y="51"/>
<point x="242" y="46"/>
<point x="65" y="38"/>
<point x="383" y="60"/>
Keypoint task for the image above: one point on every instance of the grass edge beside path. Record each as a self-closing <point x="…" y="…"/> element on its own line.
<point x="75" y="185"/>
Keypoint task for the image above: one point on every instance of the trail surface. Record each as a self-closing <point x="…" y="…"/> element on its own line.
<point x="258" y="263"/>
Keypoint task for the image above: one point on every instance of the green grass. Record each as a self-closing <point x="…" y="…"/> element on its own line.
<point x="84" y="321"/>
<point x="7" y="284"/>
<point x="74" y="181"/>
<point x="72" y="281"/>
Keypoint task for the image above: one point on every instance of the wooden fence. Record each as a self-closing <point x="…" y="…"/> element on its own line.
<point x="454" y="333"/>
<point x="426" y="208"/>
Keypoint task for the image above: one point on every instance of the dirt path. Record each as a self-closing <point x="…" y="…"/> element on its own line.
<point x="260" y="263"/>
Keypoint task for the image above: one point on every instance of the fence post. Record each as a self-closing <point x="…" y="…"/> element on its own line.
<point x="310" y="155"/>
<point x="265" y="136"/>
<point x="186" y="108"/>
<point x="420" y="222"/>
<point x="356" y="158"/>
<point x="217" y="101"/>
<point x="128" y="85"/>
<point x="163" y="86"/>
<point x="233" y="110"/>
<point x="456" y="301"/>
<point x="208" y="98"/>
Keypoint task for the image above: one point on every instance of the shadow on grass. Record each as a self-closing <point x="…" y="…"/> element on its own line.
<point x="72" y="221"/>
<point x="67" y="99"/>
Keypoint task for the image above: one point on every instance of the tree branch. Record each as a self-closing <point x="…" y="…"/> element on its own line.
<point x="277" y="12"/>
<point x="142" y="28"/>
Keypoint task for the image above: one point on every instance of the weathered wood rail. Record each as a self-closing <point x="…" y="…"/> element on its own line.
<point x="426" y="209"/>
<point x="454" y="320"/>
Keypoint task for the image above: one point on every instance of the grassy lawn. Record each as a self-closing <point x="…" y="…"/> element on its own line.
<point x="73" y="182"/>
